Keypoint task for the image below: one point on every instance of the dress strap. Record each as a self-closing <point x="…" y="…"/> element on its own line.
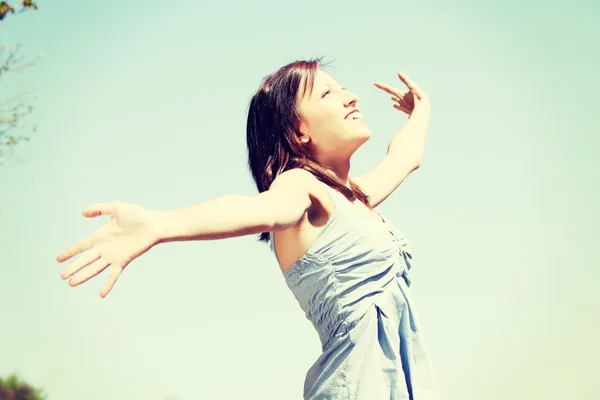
<point x="333" y="196"/>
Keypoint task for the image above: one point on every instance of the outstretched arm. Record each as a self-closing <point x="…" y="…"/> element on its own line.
<point x="279" y="208"/>
<point x="133" y="230"/>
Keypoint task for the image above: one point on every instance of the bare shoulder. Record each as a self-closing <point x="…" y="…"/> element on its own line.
<point x="301" y="180"/>
<point x="296" y="177"/>
<point x="293" y="242"/>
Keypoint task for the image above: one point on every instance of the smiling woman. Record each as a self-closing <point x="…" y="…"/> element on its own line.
<point x="346" y="265"/>
<point x="299" y="119"/>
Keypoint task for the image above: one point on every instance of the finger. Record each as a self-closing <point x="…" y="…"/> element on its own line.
<point x="81" y="262"/>
<point x="387" y="88"/>
<point x="400" y="95"/>
<point x="411" y="85"/>
<point x="403" y="106"/>
<point x="83" y="245"/>
<point x="94" y="269"/>
<point x="113" y="275"/>
<point x="99" y="209"/>
<point x="400" y="100"/>
<point x="403" y="109"/>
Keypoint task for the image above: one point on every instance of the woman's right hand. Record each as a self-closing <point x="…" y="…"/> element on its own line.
<point x="131" y="232"/>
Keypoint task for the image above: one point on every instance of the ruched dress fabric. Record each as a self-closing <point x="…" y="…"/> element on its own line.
<point x="353" y="286"/>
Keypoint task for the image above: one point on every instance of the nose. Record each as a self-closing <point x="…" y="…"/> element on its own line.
<point x="351" y="99"/>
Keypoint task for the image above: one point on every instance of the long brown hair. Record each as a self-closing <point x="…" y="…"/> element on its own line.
<point x="273" y="128"/>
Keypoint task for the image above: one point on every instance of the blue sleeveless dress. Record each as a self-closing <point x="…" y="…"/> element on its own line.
<point x="353" y="286"/>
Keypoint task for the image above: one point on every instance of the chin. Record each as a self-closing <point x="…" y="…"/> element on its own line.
<point x="365" y="133"/>
<point x="362" y="138"/>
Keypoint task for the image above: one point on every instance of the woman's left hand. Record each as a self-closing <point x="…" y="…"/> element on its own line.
<point x="413" y="101"/>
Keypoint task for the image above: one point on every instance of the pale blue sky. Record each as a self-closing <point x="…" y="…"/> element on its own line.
<point x="146" y="102"/>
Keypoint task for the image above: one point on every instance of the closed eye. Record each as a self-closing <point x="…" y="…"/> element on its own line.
<point x="325" y="93"/>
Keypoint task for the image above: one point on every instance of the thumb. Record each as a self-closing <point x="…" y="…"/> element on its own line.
<point x="99" y="209"/>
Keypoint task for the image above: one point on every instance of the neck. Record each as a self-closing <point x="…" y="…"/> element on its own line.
<point x="341" y="169"/>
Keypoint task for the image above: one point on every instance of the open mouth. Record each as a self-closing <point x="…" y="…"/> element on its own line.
<point x="354" y="115"/>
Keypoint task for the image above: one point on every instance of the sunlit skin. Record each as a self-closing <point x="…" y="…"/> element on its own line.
<point x="332" y="133"/>
<point x="329" y="126"/>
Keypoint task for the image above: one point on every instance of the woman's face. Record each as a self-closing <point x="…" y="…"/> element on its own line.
<point x="332" y="124"/>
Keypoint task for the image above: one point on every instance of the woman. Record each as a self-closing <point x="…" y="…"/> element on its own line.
<point x="346" y="264"/>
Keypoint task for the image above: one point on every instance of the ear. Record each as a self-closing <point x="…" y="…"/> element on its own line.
<point x="303" y="138"/>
